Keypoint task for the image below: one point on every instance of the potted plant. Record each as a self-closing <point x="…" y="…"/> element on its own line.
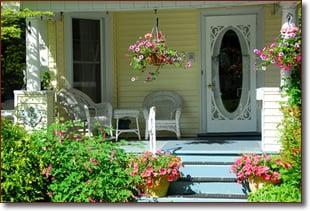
<point x="284" y="52"/>
<point x="152" y="50"/>
<point x="154" y="172"/>
<point x="258" y="170"/>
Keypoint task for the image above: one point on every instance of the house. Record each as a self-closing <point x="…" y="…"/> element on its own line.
<point x="85" y="44"/>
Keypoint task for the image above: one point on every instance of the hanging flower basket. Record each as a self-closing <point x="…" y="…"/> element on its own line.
<point x="151" y="50"/>
<point x="159" y="187"/>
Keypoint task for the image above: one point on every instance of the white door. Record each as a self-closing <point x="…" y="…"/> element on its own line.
<point x="230" y="73"/>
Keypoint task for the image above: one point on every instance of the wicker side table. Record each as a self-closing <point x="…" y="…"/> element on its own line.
<point x="129" y="113"/>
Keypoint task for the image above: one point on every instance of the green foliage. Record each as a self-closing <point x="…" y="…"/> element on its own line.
<point x="21" y="179"/>
<point x="83" y="169"/>
<point x="12" y="22"/>
<point x="276" y="193"/>
<point x="13" y="48"/>
<point x="292" y="88"/>
<point x="46" y="80"/>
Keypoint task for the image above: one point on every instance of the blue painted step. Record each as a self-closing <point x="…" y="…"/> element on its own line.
<point x="208" y="189"/>
<point x="207" y="173"/>
<point x="209" y="159"/>
<point x="188" y="199"/>
<point x="221" y="147"/>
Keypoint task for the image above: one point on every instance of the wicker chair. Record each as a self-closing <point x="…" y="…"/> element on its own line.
<point x="80" y="106"/>
<point x="168" y="111"/>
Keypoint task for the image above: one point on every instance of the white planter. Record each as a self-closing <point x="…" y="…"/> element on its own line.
<point x="34" y="109"/>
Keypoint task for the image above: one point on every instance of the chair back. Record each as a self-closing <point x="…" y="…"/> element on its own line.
<point x="166" y="103"/>
<point x="72" y="105"/>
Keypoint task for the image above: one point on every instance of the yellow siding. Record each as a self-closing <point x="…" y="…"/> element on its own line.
<point x="52" y="63"/>
<point x="181" y="28"/>
<point x="55" y="30"/>
<point x="272" y="26"/>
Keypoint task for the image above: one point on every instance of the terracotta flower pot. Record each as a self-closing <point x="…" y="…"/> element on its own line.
<point x="155" y="60"/>
<point x="159" y="188"/>
<point x="257" y="182"/>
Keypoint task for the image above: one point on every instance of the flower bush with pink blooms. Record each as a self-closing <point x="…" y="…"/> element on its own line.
<point x="285" y="52"/>
<point x="148" y="167"/>
<point x="264" y="166"/>
<point x="153" y="51"/>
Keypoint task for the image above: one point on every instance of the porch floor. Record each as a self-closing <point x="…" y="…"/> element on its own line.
<point x="195" y="146"/>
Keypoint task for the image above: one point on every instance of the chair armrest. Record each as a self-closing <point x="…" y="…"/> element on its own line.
<point x="178" y="113"/>
<point x="145" y="114"/>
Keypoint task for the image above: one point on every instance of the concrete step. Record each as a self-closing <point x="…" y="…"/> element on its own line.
<point x="207" y="173"/>
<point x="194" y="199"/>
<point x="209" y="159"/>
<point x="209" y="189"/>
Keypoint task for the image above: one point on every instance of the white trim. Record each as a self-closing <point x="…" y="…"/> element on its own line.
<point x="105" y="48"/>
<point x="36" y="52"/>
<point x="255" y="10"/>
<point x="94" y="6"/>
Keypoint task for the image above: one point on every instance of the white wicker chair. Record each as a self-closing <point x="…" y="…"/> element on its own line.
<point x="80" y="106"/>
<point x="168" y="111"/>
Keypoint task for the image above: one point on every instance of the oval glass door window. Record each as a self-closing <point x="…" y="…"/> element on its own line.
<point x="230" y="71"/>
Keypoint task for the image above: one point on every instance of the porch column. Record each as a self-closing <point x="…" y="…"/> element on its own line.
<point x="36" y="52"/>
<point x="289" y="16"/>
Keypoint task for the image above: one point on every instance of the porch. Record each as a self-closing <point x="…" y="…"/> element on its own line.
<point x="101" y="70"/>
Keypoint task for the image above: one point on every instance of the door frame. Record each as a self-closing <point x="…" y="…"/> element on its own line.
<point x="105" y="49"/>
<point x="256" y="10"/>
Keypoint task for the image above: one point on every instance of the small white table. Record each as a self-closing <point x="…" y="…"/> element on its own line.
<point x="129" y="113"/>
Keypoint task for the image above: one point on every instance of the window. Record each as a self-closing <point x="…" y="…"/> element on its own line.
<point x="88" y="54"/>
<point x="86" y="57"/>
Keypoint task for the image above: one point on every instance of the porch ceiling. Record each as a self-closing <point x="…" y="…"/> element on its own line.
<point x="70" y="6"/>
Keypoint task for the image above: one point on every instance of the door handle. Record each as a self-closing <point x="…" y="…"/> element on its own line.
<point x="210" y="86"/>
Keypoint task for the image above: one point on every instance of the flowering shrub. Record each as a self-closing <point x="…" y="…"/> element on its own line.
<point x="148" y="167"/>
<point x="153" y="51"/>
<point x="285" y="51"/>
<point x="253" y="165"/>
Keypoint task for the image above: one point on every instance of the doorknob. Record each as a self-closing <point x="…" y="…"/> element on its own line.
<point x="210" y="86"/>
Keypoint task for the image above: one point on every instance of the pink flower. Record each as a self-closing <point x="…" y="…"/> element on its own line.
<point x="275" y="177"/>
<point x="47" y="171"/>
<point x="132" y="47"/>
<point x="149" y="182"/>
<point x="273" y="45"/>
<point x="263" y="57"/>
<point x="189" y="64"/>
<point x="281" y="54"/>
<point x="257" y="52"/>
<point x="137" y="49"/>
<point x="148" y="36"/>
<point x="298" y="58"/>
<point x="163" y="172"/>
<point x="170" y="178"/>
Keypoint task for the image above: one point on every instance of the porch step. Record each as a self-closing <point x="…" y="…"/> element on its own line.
<point x="208" y="159"/>
<point x="207" y="173"/>
<point x="208" y="189"/>
<point x="192" y="198"/>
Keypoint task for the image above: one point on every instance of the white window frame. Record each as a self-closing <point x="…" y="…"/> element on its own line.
<point x="105" y="49"/>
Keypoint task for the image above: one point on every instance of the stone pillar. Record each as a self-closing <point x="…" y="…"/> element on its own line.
<point x="289" y="16"/>
<point x="36" y="52"/>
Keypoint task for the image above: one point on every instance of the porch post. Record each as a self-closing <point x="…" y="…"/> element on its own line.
<point x="36" y="52"/>
<point x="289" y="16"/>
